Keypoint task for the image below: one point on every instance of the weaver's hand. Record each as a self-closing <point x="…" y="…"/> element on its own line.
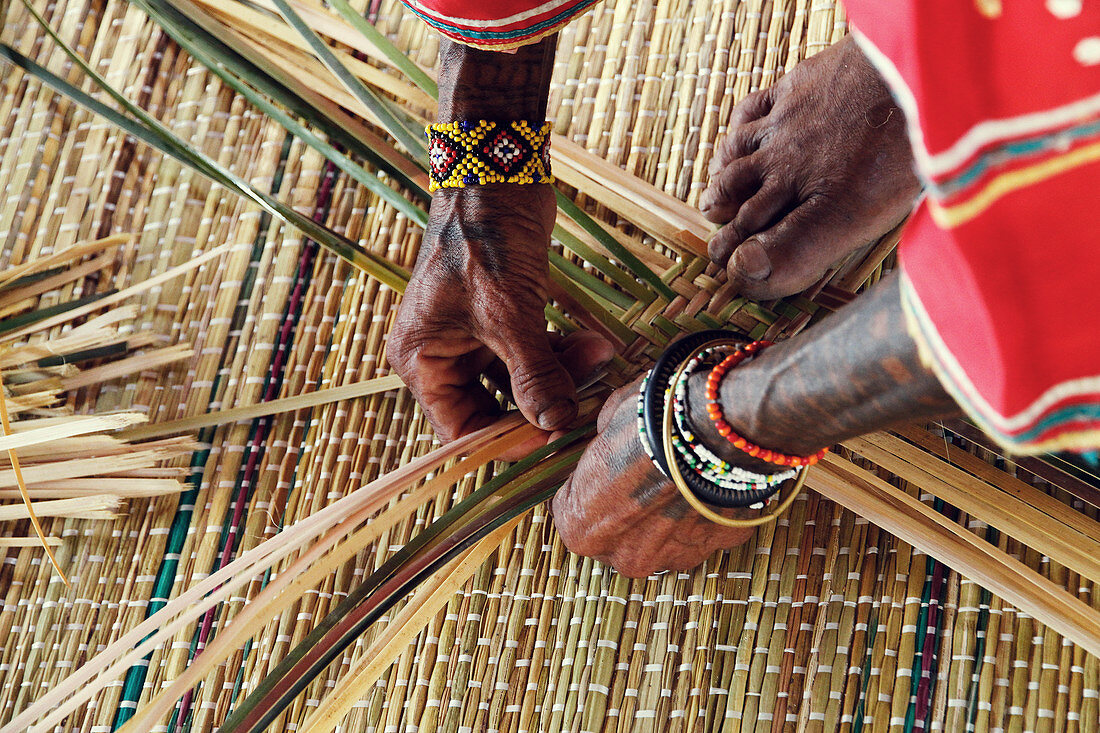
<point x="477" y="296"/>
<point x="619" y="509"/>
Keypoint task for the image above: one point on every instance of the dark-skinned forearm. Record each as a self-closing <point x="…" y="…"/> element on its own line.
<point x="489" y="85"/>
<point x="854" y="373"/>
<point x="495" y="86"/>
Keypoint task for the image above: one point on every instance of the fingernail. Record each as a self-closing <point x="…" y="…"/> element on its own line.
<point x="706" y="200"/>
<point x="556" y="414"/>
<point x="752" y="260"/>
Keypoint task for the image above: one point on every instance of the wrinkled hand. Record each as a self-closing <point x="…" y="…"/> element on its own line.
<point x="619" y="509"/>
<point x="476" y="296"/>
<point x="812" y="169"/>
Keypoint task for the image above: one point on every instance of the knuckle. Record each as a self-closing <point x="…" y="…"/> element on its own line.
<point x="536" y="372"/>
<point x="632" y="568"/>
<point x="576" y="540"/>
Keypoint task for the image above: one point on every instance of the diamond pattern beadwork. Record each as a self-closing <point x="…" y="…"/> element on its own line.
<point x="468" y="152"/>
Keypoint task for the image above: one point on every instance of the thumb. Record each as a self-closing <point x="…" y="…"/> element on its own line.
<point x="541" y="386"/>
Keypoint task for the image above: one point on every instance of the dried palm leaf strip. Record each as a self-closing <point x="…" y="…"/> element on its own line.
<point x="920" y="526"/>
<point x="60" y="257"/>
<point x="307" y="571"/>
<point x="126" y="488"/>
<point x="1005" y="482"/>
<point x="264" y="409"/>
<point x="390" y="582"/>
<point x="655" y="212"/>
<point x="17" y="475"/>
<point x="101" y="506"/>
<point x="124" y="294"/>
<point x="1045" y="469"/>
<point x="153" y="359"/>
<point x="263" y="42"/>
<point x="434" y="592"/>
<point x="16" y="298"/>
<point x="69" y="428"/>
<point x="1070" y="540"/>
<point x="135" y="643"/>
<point x="13" y="542"/>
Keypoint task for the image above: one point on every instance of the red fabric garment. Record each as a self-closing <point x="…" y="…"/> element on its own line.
<point x="1001" y="262"/>
<point x="497" y="25"/>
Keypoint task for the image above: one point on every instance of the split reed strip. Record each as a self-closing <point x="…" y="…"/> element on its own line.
<point x="1002" y="480"/>
<point x="122" y="294"/>
<point x="918" y="525"/>
<point x="102" y="506"/>
<point x="60" y="257"/>
<point x="77" y="688"/>
<point x="67" y="429"/>
<point x="17" y="299"/>
<point x="146" y="361"/>
<point x="1069" y="542"/>
<point x="286" y="588"/>
<point x="266" y="409"/>
<point x="124" y="488"/>
<point x="14" y="542"/>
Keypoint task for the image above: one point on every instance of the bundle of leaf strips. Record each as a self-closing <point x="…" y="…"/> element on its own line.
<point x="510" y="494"/>
<point x="58" y="477"/>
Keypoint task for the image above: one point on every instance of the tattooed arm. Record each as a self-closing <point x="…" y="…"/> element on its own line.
<point x="854" y="373"/>
<point x="480" y="283"/>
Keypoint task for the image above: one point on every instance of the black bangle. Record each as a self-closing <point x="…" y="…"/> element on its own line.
<point x="653" y="403"/>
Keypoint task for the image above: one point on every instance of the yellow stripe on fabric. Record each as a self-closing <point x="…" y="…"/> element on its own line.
<point x="953" y="216"/>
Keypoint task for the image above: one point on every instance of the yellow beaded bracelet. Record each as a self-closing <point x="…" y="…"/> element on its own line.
<point x="471" y="153"/>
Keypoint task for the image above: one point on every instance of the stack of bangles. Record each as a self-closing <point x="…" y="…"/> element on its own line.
<point x="701" y="476"/>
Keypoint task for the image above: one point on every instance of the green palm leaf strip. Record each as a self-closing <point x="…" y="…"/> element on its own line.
<point x="188" y="37"/>
<point x="245" y="62"/>
<point x="165" y="141"/>
<point x="402" y="62"/>
<point x="413" y="142"/>
<point x="518" y="488"/>
<point x="357" y="172"/>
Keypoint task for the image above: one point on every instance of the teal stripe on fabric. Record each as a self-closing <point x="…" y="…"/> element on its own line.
<point x="558" y="19"/>
<point x="1088" y="413"/>
<point x="1012" y="151"/>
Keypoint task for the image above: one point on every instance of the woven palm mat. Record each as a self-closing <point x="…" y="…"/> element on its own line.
<point x="822" y="621"/>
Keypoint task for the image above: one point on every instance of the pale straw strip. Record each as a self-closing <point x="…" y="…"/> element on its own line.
<point x="928" y="530"/>
<point x="12" y="542"/>
<point x="1004" y="511"/>
<point x="69" y="429"/>
<point x="306" y="571"/>
<point x="122" y="294"/>
<point x="264" y="409"/>
<point x="99" y="506"/>
<point x="77" y="685"/>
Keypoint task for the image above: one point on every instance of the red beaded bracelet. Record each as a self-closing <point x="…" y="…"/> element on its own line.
<point x="715" y="411"/>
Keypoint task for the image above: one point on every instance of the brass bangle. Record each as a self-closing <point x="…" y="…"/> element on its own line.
<point x="689" y="496"/>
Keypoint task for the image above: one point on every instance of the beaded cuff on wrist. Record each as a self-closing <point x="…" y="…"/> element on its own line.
<point x="471" y="153"/>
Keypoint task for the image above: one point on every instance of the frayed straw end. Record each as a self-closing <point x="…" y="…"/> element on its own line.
<point x="6" y="422"/>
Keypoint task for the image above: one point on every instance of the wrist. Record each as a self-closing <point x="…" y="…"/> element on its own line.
<point x="496" y="213"/>
<point x="743" y="396"/>
<point x="488" y="85"/>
